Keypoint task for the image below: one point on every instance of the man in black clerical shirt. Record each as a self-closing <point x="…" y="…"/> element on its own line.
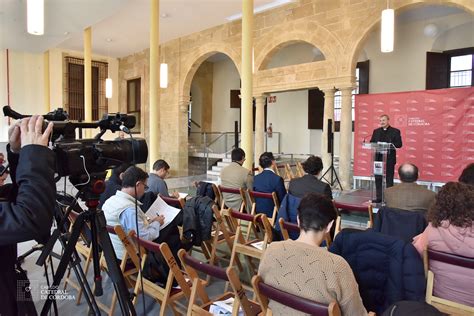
<point x="387" y="134"/>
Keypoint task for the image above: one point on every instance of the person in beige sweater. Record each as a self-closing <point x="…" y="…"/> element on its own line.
<point x="303" y="268"/>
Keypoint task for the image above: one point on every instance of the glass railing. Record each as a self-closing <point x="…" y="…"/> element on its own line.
<point x="212" y="145"/>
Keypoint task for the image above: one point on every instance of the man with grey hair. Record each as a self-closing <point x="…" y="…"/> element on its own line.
<point x="408" y="195"/>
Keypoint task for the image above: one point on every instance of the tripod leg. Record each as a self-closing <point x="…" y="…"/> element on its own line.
<point x="64" y="262"/>
<point x="95" y="257"/>
<point x="115" y="273"/>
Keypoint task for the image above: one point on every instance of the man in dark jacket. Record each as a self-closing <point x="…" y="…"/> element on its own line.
<point x="28" y="214"/>
<point x="386" y="134"/>
<point x="267" y="181"/>
<point x="309" y="183"/>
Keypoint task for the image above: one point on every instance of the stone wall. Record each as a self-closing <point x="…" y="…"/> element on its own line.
<point x="337" y="27"/>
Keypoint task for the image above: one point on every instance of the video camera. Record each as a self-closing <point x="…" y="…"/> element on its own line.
<point x="78" y="157"/>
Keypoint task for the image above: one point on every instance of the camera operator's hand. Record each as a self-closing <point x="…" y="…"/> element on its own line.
<point x="14" y="137"/>
<point x="32" y="131"/>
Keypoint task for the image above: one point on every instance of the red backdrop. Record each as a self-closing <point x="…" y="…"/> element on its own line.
<point x="437" y="128"/>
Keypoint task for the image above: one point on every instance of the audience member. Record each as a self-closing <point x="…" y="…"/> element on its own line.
<point x="156" y="180"/>
<point x="451" y="230"/>
<point x="310" y="182"/>
<point x="2" y="158"/>
<point x="114" y="183"/>
<point x="235" y="176"/>
<point x="267" y="181"/>
<point x="467" y="175"/>
<point x="408" y="195"/>
<point x="120" y="210"/>
<point x="303" y="268"/>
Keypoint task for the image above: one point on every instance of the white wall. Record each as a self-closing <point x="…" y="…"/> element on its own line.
<point x="405" y="68"/>
<point x="225" y="78"/>
<point x="289" y="116"/>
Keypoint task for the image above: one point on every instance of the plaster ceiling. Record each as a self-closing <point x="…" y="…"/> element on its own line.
<point x="121" y="27"/>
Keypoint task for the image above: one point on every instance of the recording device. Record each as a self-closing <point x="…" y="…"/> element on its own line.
<point x="85" y="162"/>
<point x="79" y="157"/>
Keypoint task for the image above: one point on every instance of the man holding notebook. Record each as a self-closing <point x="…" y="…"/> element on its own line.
<point x="124" y="209"/>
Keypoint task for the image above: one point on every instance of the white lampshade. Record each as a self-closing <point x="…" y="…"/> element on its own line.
<point x="164" y="75"/>
<point x="430" y="30"/>
<point x="387" y="31"/>
<point x="108" y="88"/>
<point x="35" y="17"/>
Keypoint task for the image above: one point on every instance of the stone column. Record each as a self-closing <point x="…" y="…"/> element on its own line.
<point x="246" y="90"/>
<point x="87" y="79"/>
<point x="181" y="168"/>
<point x="259" y="126"/>
<point x="154" y="135"/>
<point x="46" y="82"/>
<point x="328" y="114"/>
<point x="345" y="138"/>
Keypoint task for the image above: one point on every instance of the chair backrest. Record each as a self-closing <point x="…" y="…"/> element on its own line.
<point x="266" y="292"/>
<point x="367" y="209"/>
<point x="450" y="259"/>
<point x="253" y="195"/>
<point x="174" y="202"/>
<point x="287" y="227"/>
<point x="239" y="191"/>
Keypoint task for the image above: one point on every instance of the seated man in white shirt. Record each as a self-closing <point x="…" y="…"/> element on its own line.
<point x="120" y="209"/>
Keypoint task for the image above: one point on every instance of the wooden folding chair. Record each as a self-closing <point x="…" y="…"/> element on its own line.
<point x="167" y="296"/>
<point x="192" y="266"/>
<point x="217" y="193"/>
<point x="174" y="202"/>
<point x="444" y="305"/>
<point x="289" y="172"/>
<point x="364" y="209"/>
<point x="250" y="248"/>
<point x="220" y="235"/>
<point x="240" y="191"/>
<point x="83" y="248"/>
<point x="267" y="292"/>
<point x="253" y="195"/>
<point x="299" y="169"/>
<point x="286" y="227"/>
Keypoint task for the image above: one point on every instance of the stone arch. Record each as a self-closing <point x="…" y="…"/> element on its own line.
<point x="361" y="32"/>
<point x="286" y="35"/>
<point x="193" y="62"/>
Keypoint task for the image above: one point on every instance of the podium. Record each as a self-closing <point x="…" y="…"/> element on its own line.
<point x="378" y="162"/>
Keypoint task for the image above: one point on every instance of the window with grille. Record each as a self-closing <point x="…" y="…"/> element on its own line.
<point x="460" y="74"/>
<point x="134" y="102"/>
<point x="74" y="88"/>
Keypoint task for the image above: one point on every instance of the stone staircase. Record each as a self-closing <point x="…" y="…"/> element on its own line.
<point x="216" y="170"/>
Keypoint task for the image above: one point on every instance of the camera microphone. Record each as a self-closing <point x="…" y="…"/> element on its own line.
<point x="124" y="129"/>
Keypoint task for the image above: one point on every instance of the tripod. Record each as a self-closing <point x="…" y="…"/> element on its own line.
<point x="331" y="169"/>
<point x="89" y="192"/>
